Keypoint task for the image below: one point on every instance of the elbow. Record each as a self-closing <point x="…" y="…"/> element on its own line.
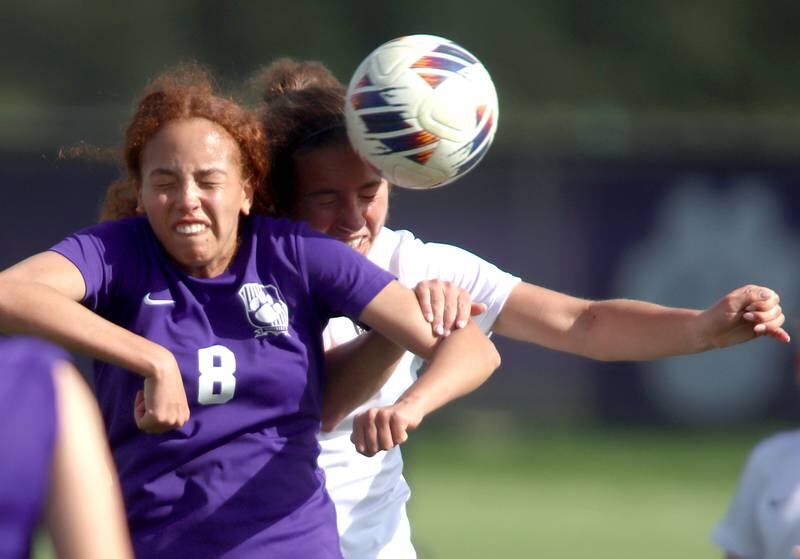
<point x="330" y="419"/>
<point x="493" y="357"/>
<point x="497" y="361"/>
<point x="601" y="356"/>
<point x="328" y="426"/>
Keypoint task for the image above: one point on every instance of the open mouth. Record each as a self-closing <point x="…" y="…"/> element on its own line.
<point x="190" y="228"/>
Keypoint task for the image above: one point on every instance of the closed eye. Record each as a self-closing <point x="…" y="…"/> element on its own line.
<point x="323" y="199"/>
<point x="369" y="193"/>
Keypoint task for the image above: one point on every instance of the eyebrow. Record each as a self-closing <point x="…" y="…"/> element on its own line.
<point x="334" y="190"/>
<point x="211" y="171"/>
<point x="162" y="172"/>
<point x="201" y="172"/>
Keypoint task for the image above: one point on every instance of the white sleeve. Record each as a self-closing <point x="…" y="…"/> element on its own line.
<point x="416" y="261"/>
<point x="738" y="532"/>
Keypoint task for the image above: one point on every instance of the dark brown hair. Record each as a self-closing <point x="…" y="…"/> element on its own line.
<point x="304" y="109"/>
<point x="184" y="93"/>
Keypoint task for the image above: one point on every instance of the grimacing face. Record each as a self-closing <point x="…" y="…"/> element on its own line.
<point x="339" y="194"/>
<point x="193" y="192"/>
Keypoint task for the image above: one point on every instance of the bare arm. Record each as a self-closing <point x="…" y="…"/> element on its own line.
<point x="84" y="512"/>
<point x="358" y="369"/>
<point x="457" y="365"/>
<point x="39" y="296"/>
<point x="355" y="371"/>
<point x="625" y="329"/>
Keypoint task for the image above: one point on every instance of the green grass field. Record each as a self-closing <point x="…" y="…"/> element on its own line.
<point x="613" y="494"/>
<point x="599" y="494"/>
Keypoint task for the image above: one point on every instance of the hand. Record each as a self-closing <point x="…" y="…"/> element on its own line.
<point x="162" y="405"/>
<point x="384" y="428"/>
<point x="445" y="305"/>
<point x="742" y="315"/>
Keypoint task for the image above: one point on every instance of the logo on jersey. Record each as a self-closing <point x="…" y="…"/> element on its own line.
<point x="150" y="302"/>
<point x="265" y="309"/>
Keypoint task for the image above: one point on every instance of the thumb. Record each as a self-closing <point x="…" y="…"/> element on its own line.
<point x="139" y="408"/>
<point x="477" y="308"/>
<point x="750" y="294"/>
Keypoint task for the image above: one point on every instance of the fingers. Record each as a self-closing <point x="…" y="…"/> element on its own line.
<point x="780" y="335"/>
<point x="754" y="298"/>
<point x="157" y="413"/>
<point x="761" y="306"/>
<point x="773" y="329"/>
<point x="438" y="301"/>
<point x="378" y="429"/>
<point x="463" y="308"/>
<point x="432" y="300"/>
<point x="357" y="436"/>
<point x="767" y="316"/>
<point x="398" y="429"/>
<point x="445" y="305"/>
<point x="423" y="293"/>
<point x="364" y="433"/>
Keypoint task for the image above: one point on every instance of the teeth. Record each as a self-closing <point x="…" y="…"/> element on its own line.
<point x="355" y="243"/>
<point x="190" y="228"/>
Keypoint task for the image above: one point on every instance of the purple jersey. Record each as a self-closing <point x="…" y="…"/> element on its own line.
<point x="240" y="478"/>
<point x="27" y="437"/>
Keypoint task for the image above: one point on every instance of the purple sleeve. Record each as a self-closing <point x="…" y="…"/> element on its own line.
<point x="27" y="438"/>
<point x="103" y="254"/>
<point x="341" y="280"/>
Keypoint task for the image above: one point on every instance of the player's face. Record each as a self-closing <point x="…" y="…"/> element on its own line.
<point x="193" y="192"/>
<point x="339" y="194"/>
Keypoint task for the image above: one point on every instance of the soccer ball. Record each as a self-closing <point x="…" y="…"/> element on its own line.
<point x="422" y="110"/>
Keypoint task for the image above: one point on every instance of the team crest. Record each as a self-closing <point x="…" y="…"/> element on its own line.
<point x="265" y="309"/>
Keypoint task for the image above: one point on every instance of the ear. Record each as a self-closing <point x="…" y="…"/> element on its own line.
<point x="247" y="197"/>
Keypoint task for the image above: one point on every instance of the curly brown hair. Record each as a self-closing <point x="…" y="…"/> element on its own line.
<point x="188" y="92"/>
<point x="303" y="109"/>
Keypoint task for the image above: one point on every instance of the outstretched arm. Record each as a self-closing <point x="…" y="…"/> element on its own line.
<point x="84" y="511"/>
<point x="625" y="329"/>
<point x="456" y="366"/>
<point x="39" y="296"/>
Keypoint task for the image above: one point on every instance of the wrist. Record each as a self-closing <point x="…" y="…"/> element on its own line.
<point x="157" y="363"/>
<point x="698" y="333"/>
<point x="414" y="401"/>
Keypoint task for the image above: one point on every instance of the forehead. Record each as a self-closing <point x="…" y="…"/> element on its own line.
<point x="194" y="141"/>
<point x="333" y="167"/>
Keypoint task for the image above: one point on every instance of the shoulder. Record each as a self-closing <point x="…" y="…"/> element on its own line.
<point x="771" y="457"/>
<point x="27" y="354"/>
<point x="125" y="226"/>
<point x="774" y="452"/>
<point x="416" y="259"/>
<point x="407" y="245"/>
<point x="112" y="233"/>
<point x="281" y="228"/>
<point x="27" y="392"/>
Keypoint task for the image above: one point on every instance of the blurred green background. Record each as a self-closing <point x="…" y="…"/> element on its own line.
<point x="602" y="493"/>
<point x="627" y="129"/>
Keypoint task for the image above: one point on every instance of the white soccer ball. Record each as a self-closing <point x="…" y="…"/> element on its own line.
<point x="422" y="110"/>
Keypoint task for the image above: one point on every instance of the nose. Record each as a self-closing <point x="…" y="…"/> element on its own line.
<point x="351" y="214"/>
<point x="188" y="196"/>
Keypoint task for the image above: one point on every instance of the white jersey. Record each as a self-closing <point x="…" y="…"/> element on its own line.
<point x="763" y="521"/>
<point x="370" y="493"/>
